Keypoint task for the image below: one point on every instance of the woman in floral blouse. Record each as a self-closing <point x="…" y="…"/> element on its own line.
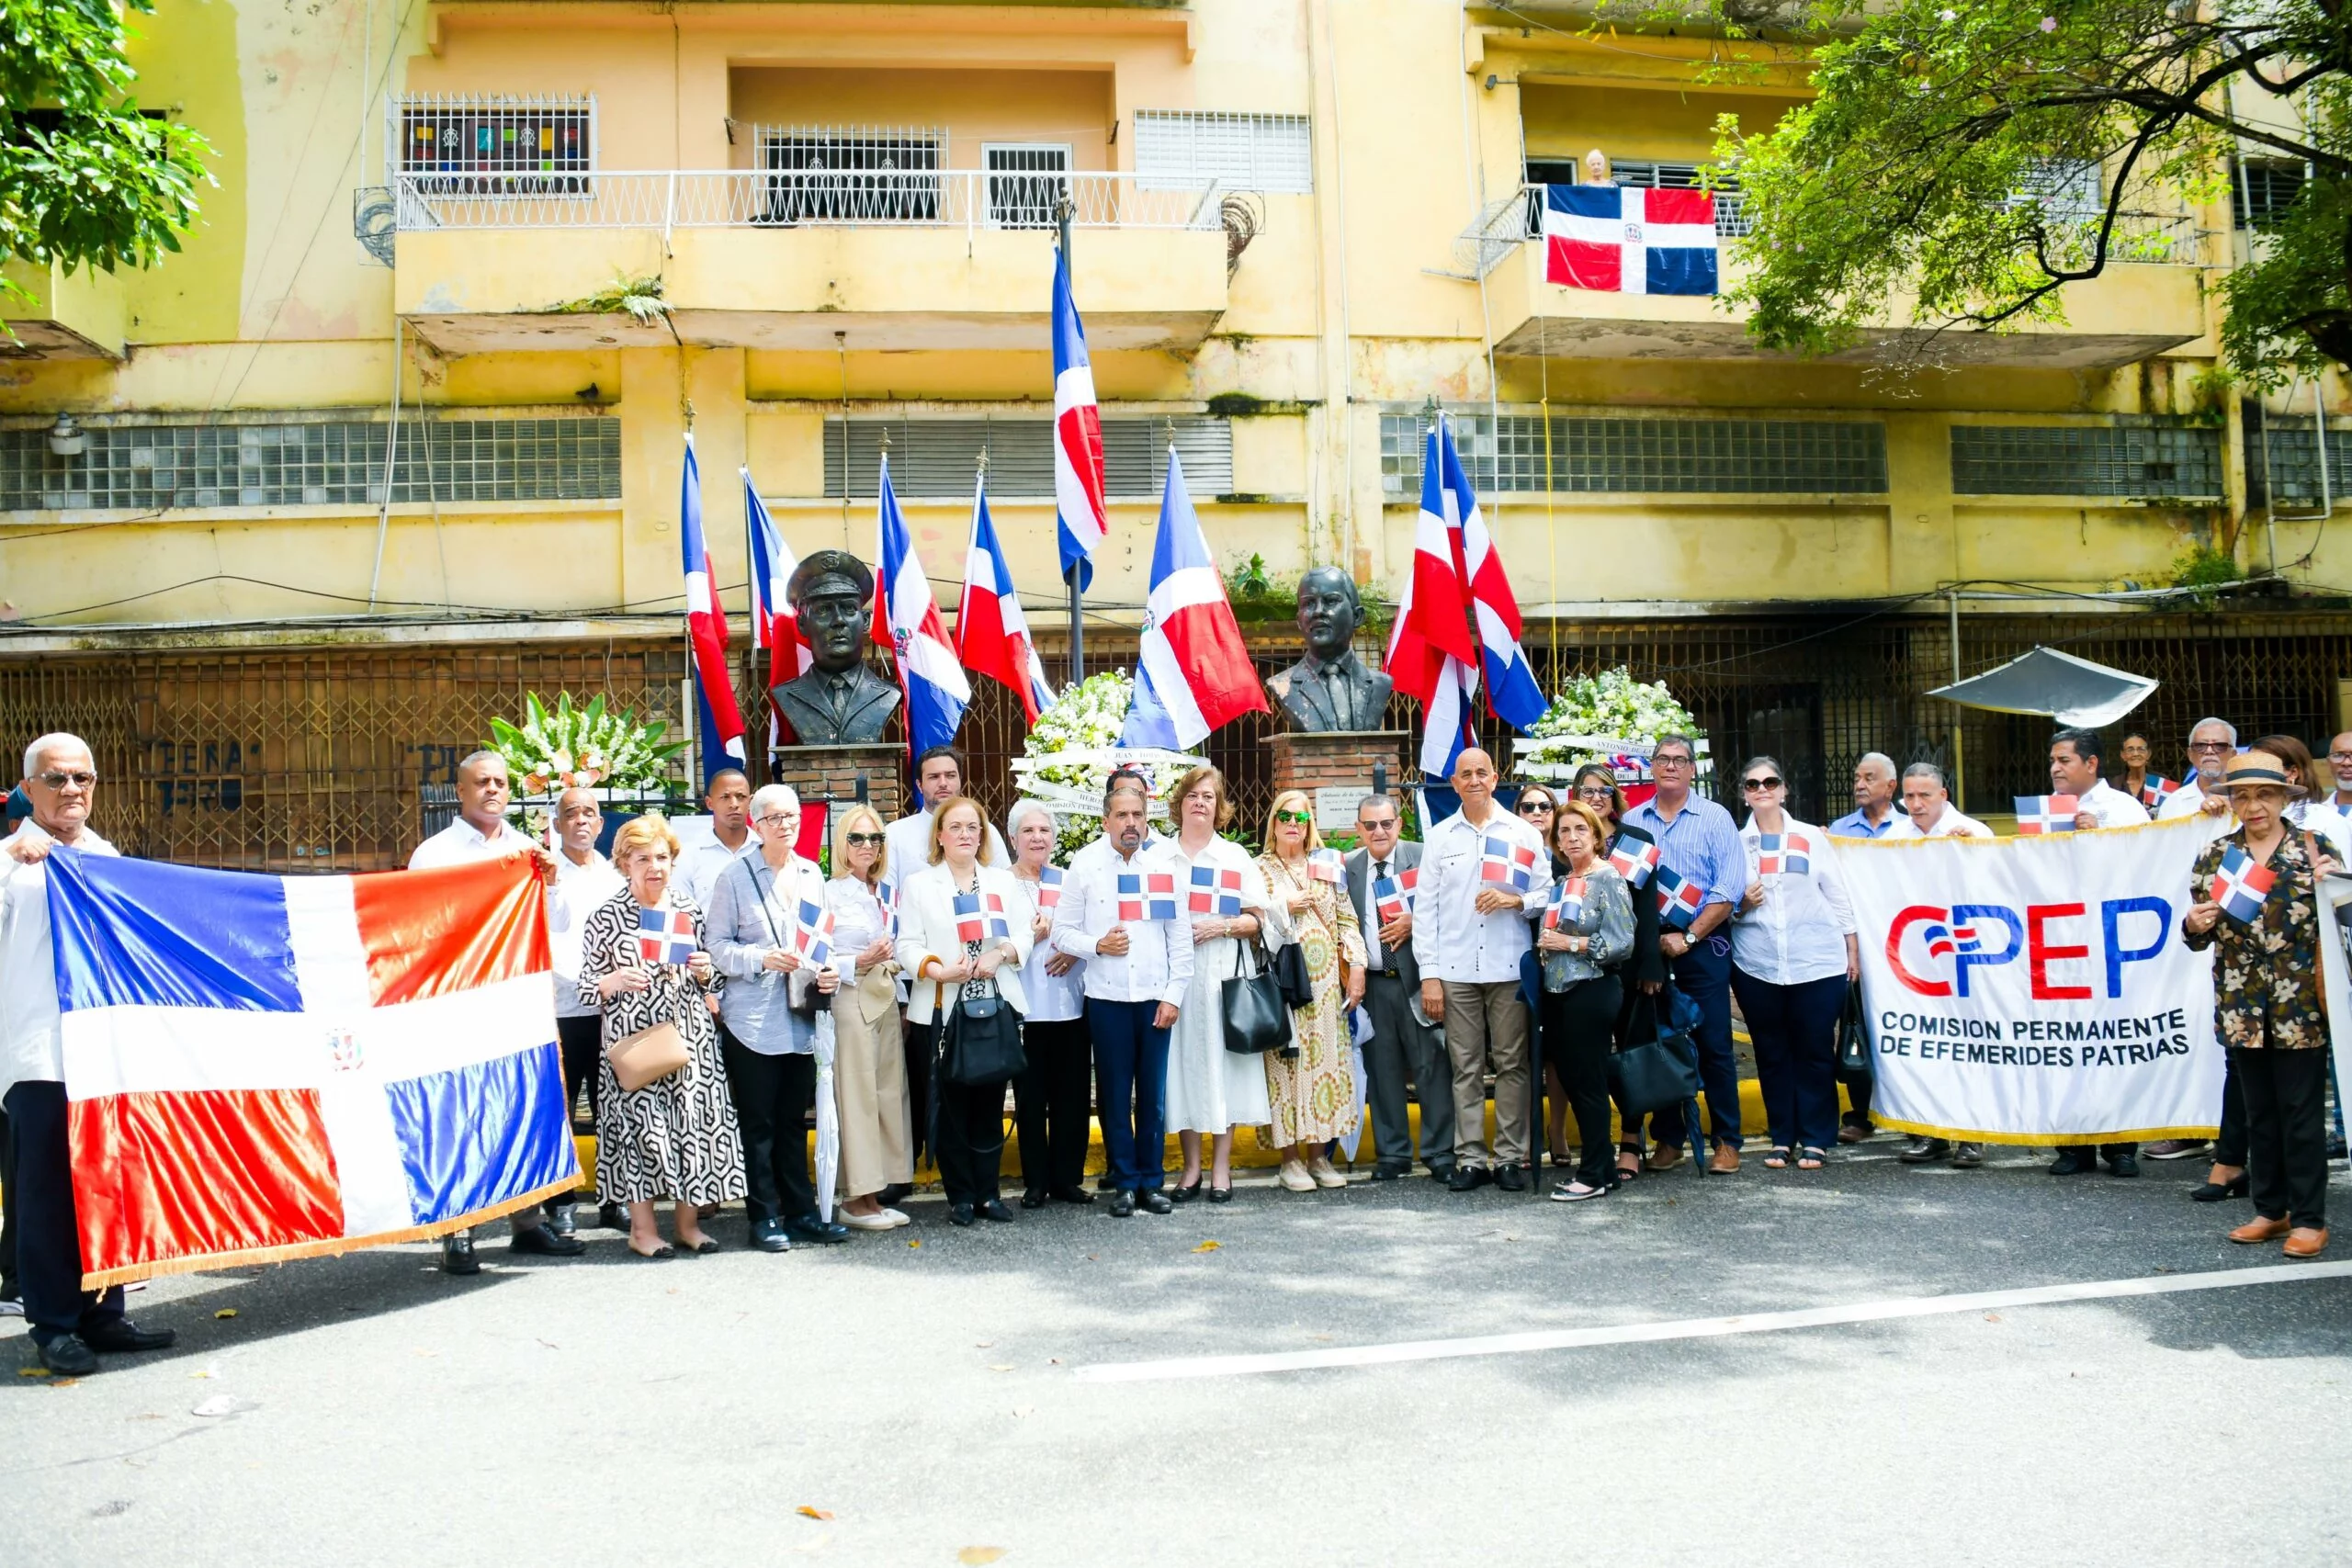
<point x="2267" y="1008"/>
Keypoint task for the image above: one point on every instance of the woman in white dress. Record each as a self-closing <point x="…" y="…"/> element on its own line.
<point x="1210" y="1088"/>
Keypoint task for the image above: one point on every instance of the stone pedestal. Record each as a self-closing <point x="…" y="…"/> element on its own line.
<point x="1334" y="767"/>
<point x="830" y="773"/>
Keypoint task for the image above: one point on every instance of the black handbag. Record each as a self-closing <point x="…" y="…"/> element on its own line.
<point x="1661" y="1072"/>
<point x="1256" y="1017"/>
<point x="1854" y="1039"/>
<point x="1291" y="977"/>
<point x="981" y="1042"/>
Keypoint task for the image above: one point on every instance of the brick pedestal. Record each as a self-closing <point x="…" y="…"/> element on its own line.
<point x="830" y="773"/>
<point x="1337" y="759"/>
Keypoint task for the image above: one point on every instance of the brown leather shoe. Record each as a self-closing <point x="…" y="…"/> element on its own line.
<point x="1666" y="1157"/>
<point x="2260" y="1230"/>
<point x="1853" y="1133"/>
<point x="2305" y="1242"/>
<point x="1724" y="1161"/>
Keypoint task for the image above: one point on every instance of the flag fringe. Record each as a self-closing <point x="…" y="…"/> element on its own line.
<point x="2038" y="1140"/>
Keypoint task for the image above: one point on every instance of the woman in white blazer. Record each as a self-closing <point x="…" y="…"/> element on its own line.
<point x="944" y="966"/>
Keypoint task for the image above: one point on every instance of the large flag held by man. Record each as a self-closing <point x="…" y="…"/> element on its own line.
<point x="906" y="620"/>
<point x="1192" y="645"/>
<point x="776" y="626"/>
<point x="991" y="634"/>
<point x="719" y="727"/>
<point x="1083" y="519"/>
<point x="266" y="1067"/>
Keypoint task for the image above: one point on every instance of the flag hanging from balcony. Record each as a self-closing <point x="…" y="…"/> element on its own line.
<point x="1082" y="520"/>
<point x="991" y="634"/>
<point x="1627" y="240"/>
<point x="906" y="619"/>
<point x="775" y="627"/>
<point x="719" y="727"/>
<point x="1192" y="645"/>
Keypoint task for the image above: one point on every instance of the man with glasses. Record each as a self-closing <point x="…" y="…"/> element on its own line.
<point x="584" y="879"/>
<point x="1698" y="842"/>
<point x="1403" y="1046"/>
<point x="2212" y="743"/>
<point x="728" y="799"/>
<point x="1874" y="814"/>
<point x="1469" y="935"/>
<point x="70" y="1327"/>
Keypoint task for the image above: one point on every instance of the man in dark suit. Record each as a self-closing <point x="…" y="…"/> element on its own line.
<point x="1402" y="1045"/>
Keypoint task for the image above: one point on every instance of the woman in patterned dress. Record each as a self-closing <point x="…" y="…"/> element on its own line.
<point x="1313" y="1092"/>
<point x="676" y="1137"/>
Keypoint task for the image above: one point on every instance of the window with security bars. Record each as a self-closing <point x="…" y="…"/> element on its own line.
<point x="2262" y="189"/>
<point x="1731" y="219"/>
<point x="2160" y="461"/>
<point x="336" y="463"/>
<point x="452" y="145"/>
<point x="935" y="458"/>
<point x="1753" y="457"/>
<point x="1182" y="150"/>
<point x="872" y="174"/>
<point x="2282" y="459"/>
<point x="1028" y="182"/>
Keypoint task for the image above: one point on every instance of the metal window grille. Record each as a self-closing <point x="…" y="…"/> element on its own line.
<point x="872" y="174"/>
<point x="2282" y="458"/>
<point x="1760" y="457"/>
<point x="1731" y="217"/>
<point x="2262" y="189"/>
<point x="935" y="458"/>
<point x="1028" y="182"/>
<point x="2161" y="461"/>
<point x="462" y="145"/>
<point x="328" y="463"/>
<point x="1183" y="149"/>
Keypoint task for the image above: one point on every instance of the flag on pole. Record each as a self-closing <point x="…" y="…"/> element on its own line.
<point x="1081" y="520"/>
<point x="1148" y="724"/>
<point x="774" y="626"/>
<point x="2039" y="814"/>
<point x="1512" y="694"/>
<point x="1192" y="645"/>
<point x="991" y="634"/>
<point x="1431" y="655"/>
<point x="906" y="620"/>
<point x="720" y="729"/>
<point x="2240" y="886"/>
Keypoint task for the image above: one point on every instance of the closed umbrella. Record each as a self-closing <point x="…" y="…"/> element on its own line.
<point x="829" y="1119"/>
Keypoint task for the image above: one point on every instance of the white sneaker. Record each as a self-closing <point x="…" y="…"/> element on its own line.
<point x="1324" y="1174"/>
<point x="876" y="1221"/>
<point x="1295" y="1177"/>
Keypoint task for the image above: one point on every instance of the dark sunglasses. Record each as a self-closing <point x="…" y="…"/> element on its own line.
<point x="856" y="840"/>
<point x="1530" y="807"/>
<point x="1767" y="782"/>
<point x="1301" y="816"/>
<point x="59" y="781"/>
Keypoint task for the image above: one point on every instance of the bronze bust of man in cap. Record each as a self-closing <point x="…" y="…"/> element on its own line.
<point x="839" y="701"/>
<point x="1331" y="688"/>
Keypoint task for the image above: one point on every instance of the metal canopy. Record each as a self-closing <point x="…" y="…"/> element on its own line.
<point x="2072" y="691"/>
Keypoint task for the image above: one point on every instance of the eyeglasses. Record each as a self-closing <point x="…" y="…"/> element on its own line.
<point x="1596" y="792"/>
<point x="859" y="840"/>
<point x="59" y="781"/>
<point x="2340" y="756"/>
<point x="1299" y="817"/>
<point x="2219" y="746"/>
<point x="1669" y="761"/>
<point x="779" y="820"/>
<point x="1767" y="782"/>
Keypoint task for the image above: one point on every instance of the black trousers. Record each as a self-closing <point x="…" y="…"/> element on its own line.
<point x="967" y="1131"/>
<point x="773" y="1098"/>
<point x="916" y="1040"/>
<point x="7" y="1216"/>
<point x="1053" y="1101"/>
<point x="2286" y="1125"/>
<point x="1579" y="1032"/>
<point x="2088" y="1153"/>
<point x="49" y="1245"/>
<point x="583" y="1043"/>
<point x="2229" y="1143"/>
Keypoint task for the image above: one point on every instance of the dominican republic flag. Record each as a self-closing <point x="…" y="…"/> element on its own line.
<point x="1512" y="694"/>
<point x="1783" y="854"/>
<point x="1634" y="860"/>
<point x="2240" y="886"/>
<point x="978" y="916"/>
<point x="1626" y="240"/>
<point x="991" y="634"/>
<point x="1327" y="865"/>
<point x="720" y="726"/>
<point x="266" y="1067"/>
<point x="1391" y="896"/>
<point x="1049" y="888"/>
<point x="2154" y="789"/>
<point x="1147" y="896"/>
<point x="1081" y="520"/>
<point x="2039" y="813"/>
<point x="664" y="936"/>
<point x="812" y="932"/>
<point x="906" y="620"/>
<point x="1507" y="865"/>
<point x="1680" y="900"/>
<point x="1568" y="905"/>
<point x="1215" y="892"/>
<point x="1191" y="646"/>
<point x="775" y="627"/>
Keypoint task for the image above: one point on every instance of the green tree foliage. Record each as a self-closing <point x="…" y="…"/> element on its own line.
<point x="1970" y="157"/>
<point x="86" y="179"/>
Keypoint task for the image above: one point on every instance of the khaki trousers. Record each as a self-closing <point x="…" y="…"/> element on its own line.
<point x="1484" y="1022"/>
<point x="870" y="1085"/>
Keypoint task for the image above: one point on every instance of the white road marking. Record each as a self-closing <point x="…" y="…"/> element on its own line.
<point x="1698" y="1328"/>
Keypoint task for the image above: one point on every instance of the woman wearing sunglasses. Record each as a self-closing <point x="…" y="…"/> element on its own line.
<point x="1642" y="974"/>
<point x="1793" y="954"/>
<point x="869" y="1060"/>
<point x="1536" y="806"/>
<point x="1313" y="1091"/>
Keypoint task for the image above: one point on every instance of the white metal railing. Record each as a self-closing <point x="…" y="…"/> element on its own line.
<point x="727" y="198"/>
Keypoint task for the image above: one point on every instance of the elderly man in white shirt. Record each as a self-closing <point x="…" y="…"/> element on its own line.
<point x="728" y="799"/>
<point x="1138" y="964"/>
<point x="1468" y="937"/>
<point x="2075" y="768"/>
<point x="70" y="1326"/>
<point x="1928" y="811"/>
<point x="481" y="832"/>
<point x="584" y="879"/>
<point x="2212" y="743"/>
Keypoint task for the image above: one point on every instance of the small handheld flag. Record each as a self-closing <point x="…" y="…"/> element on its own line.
<point x="812" y="932"/>
<point x="2039" y="814"/>
<point x="1049" y="889"/>
<point x="1679" y="898"/>
<point x="1567" y="908"/>
<point x="969" y="924"/>
<point x="1783" y="854"/>
<point x="1327" y="865"/>
<point x="1634" y="860"/>
<point x="664" y="936"/>
<point x="1505" y="864"/>
<point x="2240" y="886"/>
<point x="1215" y="892"/>
<point x="1391" y="896"/>
<point x="1147" y="896"/>
<point x="2156" y="790"/>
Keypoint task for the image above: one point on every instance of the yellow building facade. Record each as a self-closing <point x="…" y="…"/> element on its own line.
<point x="405" y="417"/>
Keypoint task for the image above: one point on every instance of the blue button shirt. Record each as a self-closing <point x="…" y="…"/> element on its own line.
<point x="1699" y="845"/>
<point x="1855" y="825"/>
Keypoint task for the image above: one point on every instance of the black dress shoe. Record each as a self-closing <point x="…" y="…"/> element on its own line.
<point x="1186" y="1194"/>
<point x="1123" y="1204"/>
<point x="1469" y="1178"/>
<point x="124" y="1335"/>
<point x="2124" y="1166"/>
<point x="1033" y="1199"/>
<point x="458" y="1254"/>
<point x="1072" y="1195"/>
<point x="768" y="1236"/>
<point x="2217" y="1192"/>
<point x="613" y="1216"/>
<point x="959" y="1213"/>
<point x="1154" y="1203"/>
<point x="896" y="1193"/>
<point x="1510" y="1178"/>
<point x="543" y="1241"/>
<point x="561" y="1220"/>
<point x="67" y="1356"/>
<point x="1384" y="1171"/>
<point x="994" y="1209"/>
<point x="1103" y="1183"/>
<point x="2069" y="1163"/>
<point x="1220" y="1194"/>
<point x="809" y="1227"/>
<point x="1442" y="1174"/>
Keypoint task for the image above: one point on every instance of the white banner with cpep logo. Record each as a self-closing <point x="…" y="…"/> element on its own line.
<point x="2036" y="990"/>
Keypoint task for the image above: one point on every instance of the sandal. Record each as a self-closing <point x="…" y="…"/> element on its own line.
<point x="1809" y="1158"/>
<point x="1778" y="1159"/>
<point x="1626" y="1171"/>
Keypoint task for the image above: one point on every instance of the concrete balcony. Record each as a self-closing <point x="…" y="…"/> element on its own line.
<point x="951" y="260"/>
<point x="76" y="317"/>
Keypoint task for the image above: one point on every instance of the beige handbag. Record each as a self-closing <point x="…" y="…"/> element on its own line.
<point x="647" y="1054"/>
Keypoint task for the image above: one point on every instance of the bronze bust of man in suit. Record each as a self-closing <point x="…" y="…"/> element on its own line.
<point x="840" y="701"/>
<point x="1330" y="688"/>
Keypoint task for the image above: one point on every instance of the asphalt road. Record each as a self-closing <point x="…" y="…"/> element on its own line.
<point x="927" y="1399"/>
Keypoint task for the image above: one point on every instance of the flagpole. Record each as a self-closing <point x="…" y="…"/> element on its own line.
<point x="1077" y="568"/>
